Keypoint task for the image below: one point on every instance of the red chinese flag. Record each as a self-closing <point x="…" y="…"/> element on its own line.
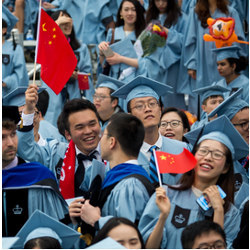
<point x="175" y="164"/>
<point x="54" y="53"/>
<point x="83" y="81"/>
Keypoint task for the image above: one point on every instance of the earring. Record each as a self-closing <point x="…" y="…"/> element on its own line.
<point x="121" y="17"/>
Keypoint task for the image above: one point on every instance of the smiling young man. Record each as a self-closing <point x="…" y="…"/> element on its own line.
<point x="142" y="97"/>
<point x="69" y="162"/>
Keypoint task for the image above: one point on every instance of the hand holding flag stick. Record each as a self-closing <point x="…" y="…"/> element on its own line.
<point x="174" y="164"/>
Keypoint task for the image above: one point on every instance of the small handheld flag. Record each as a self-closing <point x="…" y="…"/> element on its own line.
<point x="83" y="81"/>
<point x="175" y="164"/>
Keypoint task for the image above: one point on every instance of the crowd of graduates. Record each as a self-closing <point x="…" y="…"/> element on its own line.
<point x="79" y="168"/>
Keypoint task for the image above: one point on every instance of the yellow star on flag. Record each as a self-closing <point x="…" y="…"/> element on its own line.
<point x="163" y="157"/>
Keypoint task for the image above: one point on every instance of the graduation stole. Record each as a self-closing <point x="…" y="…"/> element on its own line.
<point x="67" y="177"/>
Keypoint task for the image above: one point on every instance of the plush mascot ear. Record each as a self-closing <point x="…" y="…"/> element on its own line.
<point x="210" y="21"/>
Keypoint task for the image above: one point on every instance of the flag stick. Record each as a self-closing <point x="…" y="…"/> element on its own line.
<point x="157" y="168"/>
<point x="37" y="38"/>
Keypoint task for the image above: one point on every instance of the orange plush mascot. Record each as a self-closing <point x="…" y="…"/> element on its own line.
<point x="221" y="31"/>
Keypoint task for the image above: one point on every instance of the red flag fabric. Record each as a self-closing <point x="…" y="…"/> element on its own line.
<point x="67" y="178"/>
<point x="54" y="53"/>
<point x="83" y="81"/>
<point x="175" y="164"/>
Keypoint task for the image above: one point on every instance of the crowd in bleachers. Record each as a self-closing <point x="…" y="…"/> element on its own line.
<point x="81" y="165"/>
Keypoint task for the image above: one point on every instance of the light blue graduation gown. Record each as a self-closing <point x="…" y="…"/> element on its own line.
<point x="240" y="82"/>
<point x="47" y="130"/>
<point x="128" y="199"/>
<point x="170" y="146"/>
<point x="200" y="123"/>
<point x="197" y="53"/>
<point x="56" y="102"/>
<point x="87" y="17"/>
<point x="184" y="211"/>
<point x="187" y="5"/>
<point x="14" y="72"/>
<point x="166" y="62"/>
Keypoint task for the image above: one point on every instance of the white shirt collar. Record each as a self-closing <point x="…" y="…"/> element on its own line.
<point x="145" y="146"/>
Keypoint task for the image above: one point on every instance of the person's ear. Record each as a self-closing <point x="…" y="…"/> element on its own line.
<point x="67" y="135"/>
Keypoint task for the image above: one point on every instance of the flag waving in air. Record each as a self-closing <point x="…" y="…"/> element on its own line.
<point x="54" y="53"/>
<point x="175" y="164"/>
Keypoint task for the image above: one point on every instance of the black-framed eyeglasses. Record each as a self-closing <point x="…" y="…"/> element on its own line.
<point x="173" y="124"/>
<point x="216" y="154"/>
<point x="243" y="125"/>
<point x="100" y="97"/>
<point x="142" y="106"/>
<point x="216" y="245"/>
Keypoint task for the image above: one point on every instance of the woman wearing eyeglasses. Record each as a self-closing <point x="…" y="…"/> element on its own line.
<point x="172" y="208"/>
<point x="174" y="124"/>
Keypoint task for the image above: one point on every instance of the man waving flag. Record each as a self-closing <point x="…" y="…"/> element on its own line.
<point x="54" y="53"/>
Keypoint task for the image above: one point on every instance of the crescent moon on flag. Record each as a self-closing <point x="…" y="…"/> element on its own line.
<point x="44" y="27"/>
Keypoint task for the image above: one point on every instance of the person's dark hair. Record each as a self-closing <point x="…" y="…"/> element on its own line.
<point x="9" y="125"/>
<point x="60" y="125"/>
<point x="140" y="20"/>
<point x="179" y="112"/>
<point x="4" y="24"/>
<point x="225" y="180"/>
<point x="196" y="229"/>
<point x="202" y="10"/>
<point x="112" y="223"/>
<point x="241" y="63"/>
<point x="43" y="243"/>
<point x="128" y="130"/>
<point x="211" y="97"/>
<point x="73" y="106"/>
<point x="74" y="43"/>
<point x="173" y="12"/>
<point x="43" y="102"/>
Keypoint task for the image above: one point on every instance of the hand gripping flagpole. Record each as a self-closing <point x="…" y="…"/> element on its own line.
<point x="37" y="40"/>
<point x="157" y="168"/>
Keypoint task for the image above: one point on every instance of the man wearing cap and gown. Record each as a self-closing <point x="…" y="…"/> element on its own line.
<point x="210" y="98"/>
<point x="14" y="72"/>
<point x="142" y="97"/>
<point x="239" y="80"/>
<point x="237" y="111"/>
<point x="106" y="104"/>
<point x="126" y="187"/>
<point x="74" y="164"/>
<point x="17" y="98"/>
<point x="26" y="186"/>
<point x="184" y="208"/>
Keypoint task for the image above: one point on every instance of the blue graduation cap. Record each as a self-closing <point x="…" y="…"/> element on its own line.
<point x="222" y="130"/>
<point x="227" y="52"/>
<point x="141" y="87"/>
<point x="108" y="82"/>
<point x="124" y="48"/>
<point x="229" y="107"/>
<point x="17" y="96"/>
<point x="9" y="18"/>
<point x="107" y="243"/>
<point x="210" y="91"/>
<point x="41" y="225"/>
<point x="7" y="242"/>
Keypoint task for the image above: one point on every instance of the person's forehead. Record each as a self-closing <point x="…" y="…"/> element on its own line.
<point x="143" y="99"/>
<point x="242" y="114"/>
<point x="85" y="115"/>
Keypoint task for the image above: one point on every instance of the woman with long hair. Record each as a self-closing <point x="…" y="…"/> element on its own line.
<point x="174" y="22"/>
<point x="199" y="63"/>
<point x="230" y="66"/>
<point x="71" y="89"/>
<point x="130" y="23"/>
<point x="172" y="208"/>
